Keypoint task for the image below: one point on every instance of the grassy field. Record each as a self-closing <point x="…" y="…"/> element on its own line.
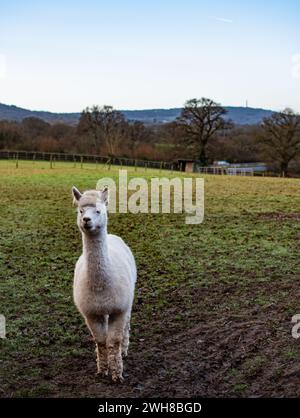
<point x="213" y="306"/>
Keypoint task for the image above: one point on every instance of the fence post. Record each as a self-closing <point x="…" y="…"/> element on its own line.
<point x="81" y="162"/>
<point x="74" y="159"/>
<point x="135" y="165"/>
<point x="17" y="160"/>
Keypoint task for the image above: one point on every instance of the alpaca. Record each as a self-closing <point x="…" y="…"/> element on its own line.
<point x="104" y="282"/>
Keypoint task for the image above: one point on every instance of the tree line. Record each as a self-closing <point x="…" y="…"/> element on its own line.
<point x="201" y="132"/>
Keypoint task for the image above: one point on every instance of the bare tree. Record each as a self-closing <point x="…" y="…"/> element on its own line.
<point x="138" y="133"/>
<point x="89" y="124"/>
<point x="281" y="137"/>
<point x="106" y="125"/>
<point x="201" y="120"/>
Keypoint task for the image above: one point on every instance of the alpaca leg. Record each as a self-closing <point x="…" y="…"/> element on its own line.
<point x="125" y="341"/>
<point x="116" y="325"/>
<point x="98" y="328"/>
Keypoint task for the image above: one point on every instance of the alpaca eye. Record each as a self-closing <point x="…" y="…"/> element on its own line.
<point x="81" y="211"/>
<point x="98" y="211"/>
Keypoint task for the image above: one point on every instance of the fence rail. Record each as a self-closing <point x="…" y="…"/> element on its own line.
<point x="56" y="157"/>
<point x="232" y="171"/>
<point x="84" y="158"/>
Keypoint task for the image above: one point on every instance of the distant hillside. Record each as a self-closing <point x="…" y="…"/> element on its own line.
<point x="239" y="115"/>
<point x="18" y="114"/>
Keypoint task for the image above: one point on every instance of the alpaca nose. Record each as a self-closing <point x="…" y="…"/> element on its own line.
<point x="86" y="219"/>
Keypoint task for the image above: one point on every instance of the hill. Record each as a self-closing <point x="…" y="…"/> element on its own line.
<point x="239" y="115"/>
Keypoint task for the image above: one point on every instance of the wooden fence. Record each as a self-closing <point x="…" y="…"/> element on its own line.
<point x="54" y="157"/>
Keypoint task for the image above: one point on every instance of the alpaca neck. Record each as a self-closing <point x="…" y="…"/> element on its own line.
<point x="95" y="251"/>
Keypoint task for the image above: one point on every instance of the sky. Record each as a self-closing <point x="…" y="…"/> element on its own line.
<point x="65" y="55"/>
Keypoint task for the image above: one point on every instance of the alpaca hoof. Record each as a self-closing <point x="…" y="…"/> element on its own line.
<point x="101" y="373"/>
<point x="117" y="378"/>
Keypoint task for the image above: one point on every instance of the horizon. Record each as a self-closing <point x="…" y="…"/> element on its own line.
<point x="131" y="110"/>
<point x="149" y="56"/>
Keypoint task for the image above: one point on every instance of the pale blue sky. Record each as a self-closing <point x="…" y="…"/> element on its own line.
<point x="66" y="55"/>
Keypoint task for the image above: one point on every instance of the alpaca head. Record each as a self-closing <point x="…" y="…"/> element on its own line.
<point x="91" y="210"/>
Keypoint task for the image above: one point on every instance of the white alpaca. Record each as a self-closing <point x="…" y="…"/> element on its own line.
<point x="104" y="281"/>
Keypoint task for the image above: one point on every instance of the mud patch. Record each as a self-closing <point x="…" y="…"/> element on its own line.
<point x="279" y="216"/>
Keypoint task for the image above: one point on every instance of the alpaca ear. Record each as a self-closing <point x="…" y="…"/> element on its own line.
<point x="105" y="195"/>
<point x="76" y="194"/>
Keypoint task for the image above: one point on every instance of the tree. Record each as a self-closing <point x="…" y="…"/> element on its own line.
<point x="11" y="135"/>
<point x="169" y="137"/>
<point x="106" y="125"/>
<point x="239" y="145"/>
<point x="138" y="133"/>
<point x="35" y="126"/>
<point x="60" y="131"/>
<point x="201" y="120"/>
<point x="281" y="137"/>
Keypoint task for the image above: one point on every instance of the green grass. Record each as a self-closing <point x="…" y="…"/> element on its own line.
<point x="234" y="248"/>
